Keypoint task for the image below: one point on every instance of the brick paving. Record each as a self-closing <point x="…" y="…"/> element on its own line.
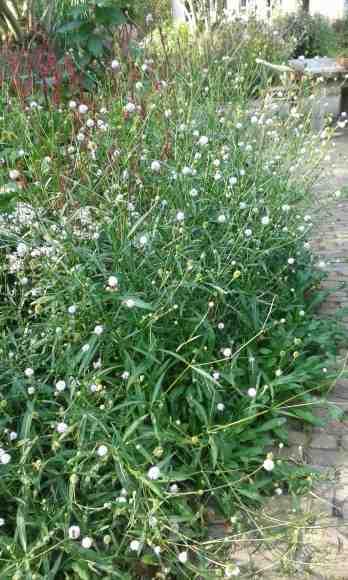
<point x="311" y="537"/>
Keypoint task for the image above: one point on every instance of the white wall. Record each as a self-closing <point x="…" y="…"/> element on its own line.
<point x="330" y="8"/>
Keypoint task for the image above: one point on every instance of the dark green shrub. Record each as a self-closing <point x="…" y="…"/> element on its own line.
<point x="341" y="29"/>
<point x="312" y="35"/>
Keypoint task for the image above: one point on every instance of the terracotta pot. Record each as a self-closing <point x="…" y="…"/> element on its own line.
<point x="342" y="61"/>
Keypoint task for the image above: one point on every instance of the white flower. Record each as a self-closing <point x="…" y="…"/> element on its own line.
<point x="183" y="557"/>
<point x="130" y="107"/>
<point x="13" y="435"/>
<point x="221" y="219"/>
<point x="278" y="373"/>
<point x="193" y="192"/>
<point x="180" y="216"/>
<point x="152" y="521"/>
<point x="285" y="207"/>
<point x="302" y="313"/>
<point x="80" y="137"/>
<point x="157" y="550"/>
<point x="72" y="105"/>
<point x="22" y="249"/>
<point x="156" y="166"/>
<point x="243" y="205"/>
<point x="154" y="472"/>
<point x="112" y="282"/>
<point x="148" y="18"/>
<point x="125" y="375"/>
<point x="5" y="458"/>
<point x="291" y="261"/>
<point x="31" y="390"/>
<point x="2" y="522"/>
<point x="62" y="427"/>
<point x="60" y="386"/>
<point x="83" y="109"/>
<point x="139" y="86"/>
<point x="90" y="123"/>
<point x="115" y="65"/>
<point x="231" y="571"/>
<point x="167" y="113"/>
<point x="216" y="376"/>
<point x="174" y="488"/>
<point x="135" y="546"/>
<point x="29" y="372"/>
<point x="72" y="309"/>
<point x="14" y="174"/>
<point x="221" y="326"/>
<point x="85" y="347"/>
<point x="102" y="450"/>
<point x="220" y="407"/>
<point x="143" y="240"/>
<point x="98" y="330"/>
<point x="232" y="181"/>
<point x="268" y="465"/>
<point x="248" y="233"/>
<point x="203" y="140"/>
<point x="74" y="532"/>
<point x="278" y="490"/>
<point x="265" y="220"/>
<point x="129" y="303"/>
<point x="227" y="352"/>
<point x="186" y="170"/>
<point x="87" y="542"/>
<point x="252" y="392"/>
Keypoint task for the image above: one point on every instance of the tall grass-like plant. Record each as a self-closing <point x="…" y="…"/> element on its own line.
<point x="158" y="328"/>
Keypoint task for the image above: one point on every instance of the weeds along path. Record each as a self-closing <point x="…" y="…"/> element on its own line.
<point x="309" y="538"/>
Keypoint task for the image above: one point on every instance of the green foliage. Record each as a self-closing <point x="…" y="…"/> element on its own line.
<point x="313" y="35"/>
<point x="158" y="318"/>
<point x="89" y="27"/>
<point x="341" y="29"/>
<point x="10" y="19"/>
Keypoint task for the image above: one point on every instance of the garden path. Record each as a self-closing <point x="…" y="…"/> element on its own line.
<point x="310" y="539"/>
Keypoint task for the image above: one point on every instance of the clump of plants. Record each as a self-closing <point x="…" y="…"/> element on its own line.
<point x="158" y="300"/>
<point x="312" y="35"/>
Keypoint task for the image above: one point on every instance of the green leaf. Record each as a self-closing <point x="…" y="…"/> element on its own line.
<point x="250" y="494"/>
<point x="20" y="529"/>
<point x="81" y="570"/>
<point x="307" y="416"/>
<point x="95" y="45"/>
<point x="109" y="16"/>
<point x="133" y="427"/>
<point x="271" y="424"/>
<point x="214" y="452"/>
<point x="70" y="26"/>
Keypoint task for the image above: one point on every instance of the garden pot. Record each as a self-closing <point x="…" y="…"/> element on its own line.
<point x="342" y="61"/>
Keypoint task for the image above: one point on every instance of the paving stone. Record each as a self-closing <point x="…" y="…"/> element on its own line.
<point x="344" y="443"/>
<point x="341" y="403"/>
<point x="323" y="441"/>
<point x="298" y="438"/>
<point x="326" y="457"/>
<point x="341" y="389"/>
